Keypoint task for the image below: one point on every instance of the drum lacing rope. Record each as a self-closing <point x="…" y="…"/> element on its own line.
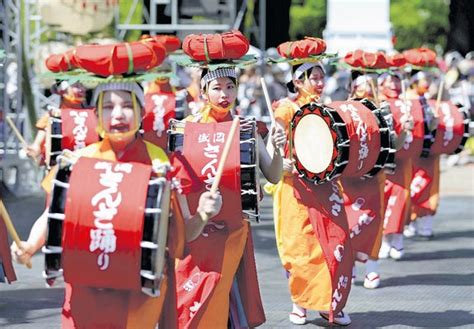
<point x="148" y="245"/>
<point x="60" y="184"/>
<point x="52" y="249"/>
<point x="58" y="216"/>
<point x="345" y="143"/>
<point x="338" y="164"/>
<point x="52" y="274"/>
<point x="158" y="180"/>
<point x="250" y="140"/>
<point x="152" y="211"/>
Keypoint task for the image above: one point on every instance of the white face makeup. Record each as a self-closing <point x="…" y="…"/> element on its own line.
<point x="221" y="92"/>
<point x="118" y="114"/>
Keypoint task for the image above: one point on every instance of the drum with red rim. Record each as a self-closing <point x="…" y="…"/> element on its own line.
<point x="453" y="128"/>
<point x="321" y="144"/>
<point x="401" y="111"/>
<point x="249" y="172"/>
<point x="430" y="128"/>
<point x="369" y="140"/>
<point x="98" y="233"/>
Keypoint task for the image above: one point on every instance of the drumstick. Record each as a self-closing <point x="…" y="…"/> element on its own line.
<point x="290" y="142"/>
<point x="11" y="228"/>
<point x="438" y="99"/>
<point x="372" y="86"/>
<point x="404" y="90"/>
<point x="270" y="108"/>
<point x="225" y="153"/>
<point x="268" y="101"/>
<point x="16" y="131"/>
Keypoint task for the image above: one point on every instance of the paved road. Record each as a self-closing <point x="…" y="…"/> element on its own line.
<point x="433" y="286"/>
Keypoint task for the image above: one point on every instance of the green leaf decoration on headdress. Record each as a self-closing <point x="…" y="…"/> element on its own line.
<point x="242" y="62"/>
<point x="84" y="76"/>
<point x="344" y="65"/>
<point x="296" y="61"/>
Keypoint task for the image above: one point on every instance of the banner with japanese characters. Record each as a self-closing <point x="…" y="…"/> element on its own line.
<point x="328" y="218"/>
<point x="203" y="146"/>
<point x="402" y="111"/>
<point x="363" y="202"/>
<point x="450" y="128"/>
<point x="78" y="128"/>
<point x="103" y="224"/>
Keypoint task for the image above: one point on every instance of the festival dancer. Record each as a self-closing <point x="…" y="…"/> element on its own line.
<point x="120" y="106"/>
<point x="364" y="193"/>
<point x="163" y="100"/>
<point x="426" y="172"/>
<point x="72" y="96"/>
<point x="397" y="184"/>
<point x="7" y="272"/>
<point x="217" y="281"/>
<point x="318" y="275"/>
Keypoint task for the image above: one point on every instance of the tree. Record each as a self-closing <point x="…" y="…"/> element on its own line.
<point x="307" y="19"/>
<point x="420" y="22"/>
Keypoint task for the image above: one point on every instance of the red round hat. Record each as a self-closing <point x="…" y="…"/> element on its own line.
<point x="361" y="60"/>
<point x="305" y="48"/>
<point x="220" y="46"/>
<point x="108" y="60"/>
<point x="396" y="60"/>
<point x="422" y="57"/>
<point x="170" y="42"/>
<point x="61" y="62"/>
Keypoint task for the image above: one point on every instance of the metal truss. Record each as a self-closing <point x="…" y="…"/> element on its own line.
<point x="218" y="15"/>
<point x="18" y="174"/>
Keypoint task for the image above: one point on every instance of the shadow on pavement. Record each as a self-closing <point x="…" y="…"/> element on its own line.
<point x="29" y="300"/>
<point x="441" y="236"/>
<point x="447" y="319"/>
<point x="441" y="254"/>
<point x="429" y="280"/>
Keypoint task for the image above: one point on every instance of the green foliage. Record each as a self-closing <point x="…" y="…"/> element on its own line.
<point x="420" y="23"/>
<point x="125" y="7"/>
<point x="415" y="22"/>
<point x="308" y="19"/>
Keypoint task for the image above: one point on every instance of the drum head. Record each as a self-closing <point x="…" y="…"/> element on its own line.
<point x="313" y="143"/>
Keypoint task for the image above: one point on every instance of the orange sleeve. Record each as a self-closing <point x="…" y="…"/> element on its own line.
<point x="176" y="230"/>
<point x="284" y="114"/>
<point x="42" y="123"/>
<point x="47" y="181"/>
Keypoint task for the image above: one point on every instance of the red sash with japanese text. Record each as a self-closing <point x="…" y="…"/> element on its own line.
<point x="328" y="218"/>
<point x="203" y="145"/>
<point x="5" y="256"/>
<point x="414" y="142"/>
<point x="397" y="197"/>
<point x="159" y="110"/>
<point x="450" y="128"/>
<point x="78" y="128"/>
<point x="363" y="201"/>
<point x="103" y="224"/>
<point x="424" y="186"/>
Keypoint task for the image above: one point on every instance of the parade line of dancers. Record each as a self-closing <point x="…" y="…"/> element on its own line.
<point x="152" y="190"/>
